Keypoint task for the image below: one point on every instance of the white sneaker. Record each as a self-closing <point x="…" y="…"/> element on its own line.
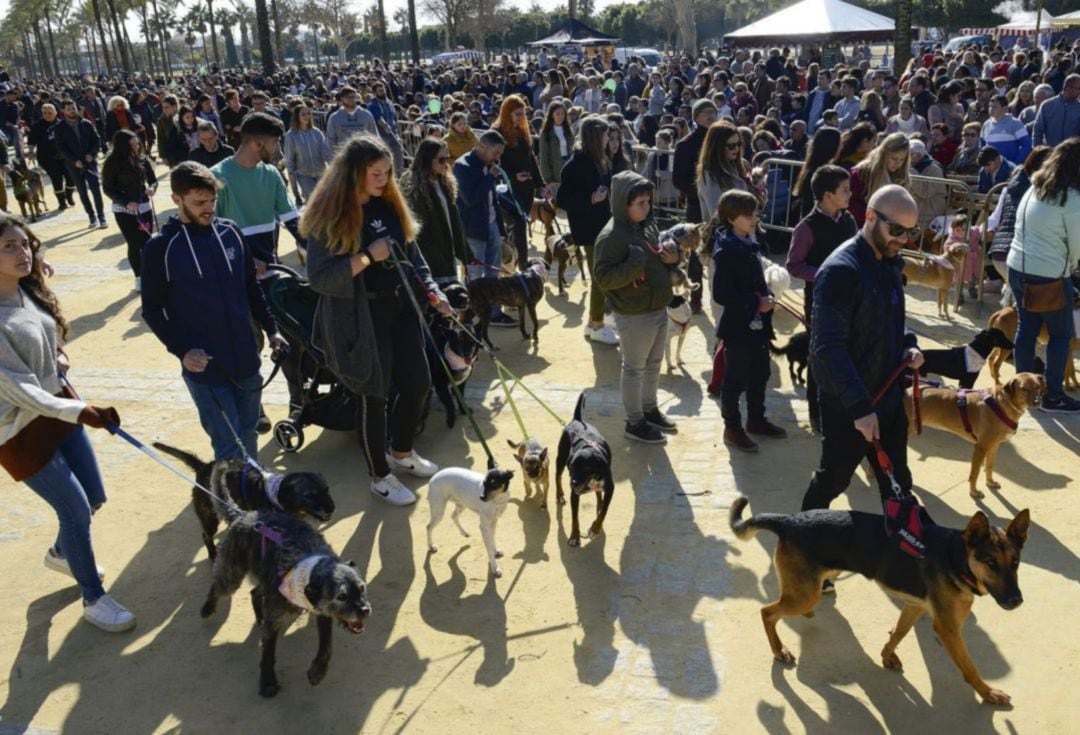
<point x="414" y="464"/>
<point x="60" y="564"/>
<point x="109" y="615"/>
<point x="603" y="335"/>
<point x="392" y="491"/>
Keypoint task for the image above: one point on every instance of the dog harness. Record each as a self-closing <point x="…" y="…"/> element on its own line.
<point x="991" y="403"/>
<point x="683" y="326"/>
<point x="904" y="519"/>
<point x="296" y="579"/>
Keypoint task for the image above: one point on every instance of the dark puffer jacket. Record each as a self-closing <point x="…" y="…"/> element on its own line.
<point x="857" y="338"/>
<point x="1015" y="189"/>
<point x="738" y="285"/>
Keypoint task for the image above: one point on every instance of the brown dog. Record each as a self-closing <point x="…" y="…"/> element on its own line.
<point x="991" y="418"/>
<point x="817" y="545"/>
<point x="1007" y="321"/>
<point x="543" y="211"/>
<point x="29" y="190"/>
<point x="934" y="273"/>
<point x="557" y="249"/>
<point x="535" y="467"/>
<point x="687" y="238"/>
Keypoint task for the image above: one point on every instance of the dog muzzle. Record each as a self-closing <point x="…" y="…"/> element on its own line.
<point x="460" y="367"/>
<point x="296" y="579"/>
<point x="593" y="485"/>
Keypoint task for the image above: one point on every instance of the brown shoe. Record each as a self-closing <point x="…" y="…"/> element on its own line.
<point x="736" y="438"/>
<point x="764" y="428"/>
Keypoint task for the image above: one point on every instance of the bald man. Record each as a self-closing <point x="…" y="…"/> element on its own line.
<point x="857" y="340"/>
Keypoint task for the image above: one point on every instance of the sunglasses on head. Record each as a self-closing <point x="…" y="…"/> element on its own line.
<point x="896" y="229"/>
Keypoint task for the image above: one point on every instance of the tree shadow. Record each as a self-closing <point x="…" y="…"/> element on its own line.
<point x="481" y="617"/>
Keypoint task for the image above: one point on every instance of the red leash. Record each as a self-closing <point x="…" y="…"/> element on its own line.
<point x="789" y="310"/>
<point x="883" y="459"/>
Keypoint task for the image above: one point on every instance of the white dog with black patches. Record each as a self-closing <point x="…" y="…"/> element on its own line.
<point x="486" y="495"/>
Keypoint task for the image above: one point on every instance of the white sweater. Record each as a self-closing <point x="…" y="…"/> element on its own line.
<point x="29" y="377"/>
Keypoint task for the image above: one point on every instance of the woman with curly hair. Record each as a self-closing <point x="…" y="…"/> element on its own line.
<point x="889" y="163"/>
<point x="42" y="440"/>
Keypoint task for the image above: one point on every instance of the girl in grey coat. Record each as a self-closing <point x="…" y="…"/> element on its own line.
<point x="307" y="154"/>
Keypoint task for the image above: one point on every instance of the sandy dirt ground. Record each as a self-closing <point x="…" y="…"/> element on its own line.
<point x="652" y="627"/>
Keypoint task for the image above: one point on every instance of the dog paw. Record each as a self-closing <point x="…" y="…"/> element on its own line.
<point x="496" y="572"/>
<point x="432" y="549"/>
<point x="595" y="530"/>
<point x="316" y="673"/>
<point x="891" y="661"/>
<point x="207" y="609"/>
<point x="560" y="499"/>
<point x="976" y="494"/>
<point x="996" y="696"/>
<point x="498" y="554"/>
<point x="784" y="656"/>
<point x="993" y="484"/>
<point x="574" y="541"/>
<point x="269" y="687"/>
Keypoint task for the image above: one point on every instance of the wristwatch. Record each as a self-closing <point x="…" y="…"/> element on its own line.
<point x="367" y="260"/>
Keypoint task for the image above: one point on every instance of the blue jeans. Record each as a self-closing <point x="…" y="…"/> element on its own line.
<point x="71" y="484"/>
<point x="88" y="181"/>
<point x="1058" y="324"/>
<point x="240" y="403"/>
<point x="488" y="252"/>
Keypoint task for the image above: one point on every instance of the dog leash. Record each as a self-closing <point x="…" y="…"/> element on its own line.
<point x="398" y="259"/>
<point x="149" y="452"/>
<point x="793" y="312"/>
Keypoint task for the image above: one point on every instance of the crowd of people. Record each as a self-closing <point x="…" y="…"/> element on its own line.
<point x="376" y="167"/>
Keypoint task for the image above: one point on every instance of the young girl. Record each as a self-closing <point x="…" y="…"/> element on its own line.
<point x="746" y="324"/>
<point x="41" y="441"/>
<point x="127" y="177"/>
<point x="958" y="233"/>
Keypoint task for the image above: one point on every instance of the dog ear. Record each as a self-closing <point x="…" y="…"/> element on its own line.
<point x="977" y="531"/>
<point x="544" y="454"/>
<point x="351" y="563"/>
<point x="1018" y="528"/>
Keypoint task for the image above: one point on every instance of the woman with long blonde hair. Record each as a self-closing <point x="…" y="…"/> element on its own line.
<point x="361" y="235"/>
<point x="889" y="163"/>
<point x="521" y="167"/>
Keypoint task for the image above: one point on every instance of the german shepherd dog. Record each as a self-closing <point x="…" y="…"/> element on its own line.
<point x="817" y="545"/>
<point x="29" y="190"/>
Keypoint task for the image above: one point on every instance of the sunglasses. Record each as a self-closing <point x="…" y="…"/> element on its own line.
<point x="896" y="229"/>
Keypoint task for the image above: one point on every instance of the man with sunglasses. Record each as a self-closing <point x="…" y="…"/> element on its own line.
<point x="857" y="341"/>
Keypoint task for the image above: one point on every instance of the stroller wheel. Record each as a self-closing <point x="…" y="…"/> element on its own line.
<point x="288" y="436"/>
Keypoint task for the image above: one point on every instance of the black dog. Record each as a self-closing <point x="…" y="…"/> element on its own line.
<point x="797" y="351"/>
<point x="955" y="361"/>
<point x="458" y="348"/>
<point x="299" y="494"/>
<point x="293" y="569"/>
<point x="521" y="290"/>
<point x="583" y="449"/>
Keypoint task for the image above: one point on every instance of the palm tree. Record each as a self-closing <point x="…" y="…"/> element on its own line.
<point x="121" y="48"/>
<point x="101" y="34"/>
<point x="414" y="35"/>
<point x="246" y="19"/>
<point x="213" y="28"/>
<point x="383" y="49"/>
<point x="266" y="47"/>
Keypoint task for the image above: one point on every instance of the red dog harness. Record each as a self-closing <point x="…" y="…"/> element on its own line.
<point x="682" y="325"/>
<point x="991" y="403"/>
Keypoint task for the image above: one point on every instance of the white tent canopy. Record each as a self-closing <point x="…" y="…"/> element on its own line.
<point x="1023" y="24"/>
<point x="816" y="20"/>
<point x="1069" y="19"/>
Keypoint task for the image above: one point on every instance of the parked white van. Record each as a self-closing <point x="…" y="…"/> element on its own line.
<point x="651" y="56"/>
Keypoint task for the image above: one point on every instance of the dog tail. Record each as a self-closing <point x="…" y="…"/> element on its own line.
<point x="779" y="350"/>
<point x="746" y="530"/>
<point x="580" y="405"/>
<point x="186" y="457"/>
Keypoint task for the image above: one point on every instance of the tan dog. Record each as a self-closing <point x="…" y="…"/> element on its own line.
<point x="934" y="273"/>
<point x="543" y="211"/>
<point x="991" y="418"/>
<point x="557" y="249"/>
<point x="507" y="256"/>
<point x="535" y="468"/>
<point x="1007" y="321"/>
<point x="687" y="238"/>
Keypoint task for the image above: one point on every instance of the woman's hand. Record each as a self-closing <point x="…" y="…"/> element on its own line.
<point x="599" y="195"/>
<point x="765" y="304"/>
<point x="442" y="306"/>
<point x="669" y="254"/>
<point x="133" y="207"/>
<point x="63" y="364"/>
<point x="379" y="250"/>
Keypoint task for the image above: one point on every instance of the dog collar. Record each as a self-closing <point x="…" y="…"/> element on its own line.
<point x="296" y="579"/>
<point x="273" y="487"/>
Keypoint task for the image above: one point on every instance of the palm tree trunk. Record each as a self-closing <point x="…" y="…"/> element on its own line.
<point x="277" y="32"/>
<point x="122" y="52"/>
<point x="166" y="57"/>
<point x="147" y="37"/>
<point x="902" y="42"/>
<point x="213" y="30"/>
<point x="414" y="35"/>
<point x="262" y="27"/>
<point x="42" y="51"/>
<point x="572" y="10"/>
<point x="245" y="42"/>
<point x="28" y="54"/>
<point x="684" y="16"/>
<point x="101" y="34"/>
<point x="383" y="49"/>
<point x="52" y="41"/>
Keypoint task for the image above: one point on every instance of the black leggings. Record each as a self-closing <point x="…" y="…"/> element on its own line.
<point x="134" y="236"/>
<point x="519" y="225"/>
<point x="59" y="177"/>
<point x="402" y="361"/>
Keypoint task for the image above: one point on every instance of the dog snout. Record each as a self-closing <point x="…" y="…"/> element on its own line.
<point x="1014" y="601"/>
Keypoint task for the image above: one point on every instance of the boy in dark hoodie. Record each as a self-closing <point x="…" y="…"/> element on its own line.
<point x="199" y="294"/>
<point x="632" y="269"/>
<point x="746" y="324"/>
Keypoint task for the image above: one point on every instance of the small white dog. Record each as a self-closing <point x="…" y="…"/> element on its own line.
<point x="486" y="495"/>
<point x="679" y="315"/>
<point x="776" y="276"/>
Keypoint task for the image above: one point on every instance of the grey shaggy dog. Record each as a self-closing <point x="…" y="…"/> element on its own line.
<point x="301" y="494"/>
<point x="335" y="591"/>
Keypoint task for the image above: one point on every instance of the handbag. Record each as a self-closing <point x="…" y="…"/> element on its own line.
<point x="1039" y="298"/>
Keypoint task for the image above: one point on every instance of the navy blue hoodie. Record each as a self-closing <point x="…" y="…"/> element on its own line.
<point x="199" y="291"/>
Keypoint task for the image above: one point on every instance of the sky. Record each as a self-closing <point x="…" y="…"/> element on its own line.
<point x="391" y="7"/>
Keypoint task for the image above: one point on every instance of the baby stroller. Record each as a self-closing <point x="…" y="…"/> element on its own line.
<point x="316" y="396"/>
